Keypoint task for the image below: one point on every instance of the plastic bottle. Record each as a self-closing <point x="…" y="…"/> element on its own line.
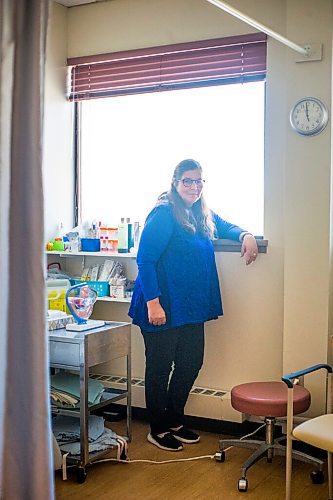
<point x="122" y="236"/>
<point x="110" y="245"/>
<point x="60" y="231"/>
<point x="114" y="244"/>
<point x="130" y="234"/>
<point x="136" y="235"/>
<point x="102" y="243"/>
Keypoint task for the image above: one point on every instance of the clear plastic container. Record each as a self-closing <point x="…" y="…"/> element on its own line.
<point x="113" y="245"/>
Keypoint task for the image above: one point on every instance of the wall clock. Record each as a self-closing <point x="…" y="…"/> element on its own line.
<point x="309" y="116"/>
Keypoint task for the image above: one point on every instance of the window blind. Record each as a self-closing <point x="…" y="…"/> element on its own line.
<point x="209" y="62"/>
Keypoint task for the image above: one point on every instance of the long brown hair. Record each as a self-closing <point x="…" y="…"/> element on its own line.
<point x="199" y="219"/>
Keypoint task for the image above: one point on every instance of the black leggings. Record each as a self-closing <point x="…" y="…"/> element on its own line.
<point x="179" y="352"/>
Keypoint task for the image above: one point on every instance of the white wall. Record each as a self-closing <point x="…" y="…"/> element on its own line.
<point x="276" y="312"/>
<point x="307" y="178"/>
<point x="58" y="129"/>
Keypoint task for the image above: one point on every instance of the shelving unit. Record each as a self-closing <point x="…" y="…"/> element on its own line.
<point x="73" y="263"/>
<point x="79" y="351"/>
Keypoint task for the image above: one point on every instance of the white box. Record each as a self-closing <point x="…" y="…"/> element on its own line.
<point x="117" y="291"/>
<point x="57" y="323"/>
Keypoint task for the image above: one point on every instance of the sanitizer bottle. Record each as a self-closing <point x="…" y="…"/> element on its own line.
<point x="123" y="236"/>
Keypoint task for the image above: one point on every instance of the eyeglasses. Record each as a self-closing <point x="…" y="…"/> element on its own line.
<point x="187" y="182"/>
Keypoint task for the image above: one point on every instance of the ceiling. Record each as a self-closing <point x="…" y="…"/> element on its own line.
<point x="72" y="3"/>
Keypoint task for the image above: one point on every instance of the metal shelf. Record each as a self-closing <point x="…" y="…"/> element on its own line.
<point x="113" y="395"/>
<point x="115" y="255"/>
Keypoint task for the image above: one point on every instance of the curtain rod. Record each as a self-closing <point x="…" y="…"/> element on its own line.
<point x="305" y="51"/>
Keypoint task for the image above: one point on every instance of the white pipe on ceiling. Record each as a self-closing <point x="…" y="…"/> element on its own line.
<point x="252" y="22"/>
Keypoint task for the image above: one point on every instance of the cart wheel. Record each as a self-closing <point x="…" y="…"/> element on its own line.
<point x="242" y="484"/>
<point x="317" y="477"/>
<point x="220" y="456"/>
<point x="81" y="475"/>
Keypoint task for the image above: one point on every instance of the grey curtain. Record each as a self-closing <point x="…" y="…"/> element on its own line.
<point x="25" y="436"/>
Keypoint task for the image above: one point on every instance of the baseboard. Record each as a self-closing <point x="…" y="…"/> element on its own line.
<point x="204" y="402"/>
<point x="222" y="427"/>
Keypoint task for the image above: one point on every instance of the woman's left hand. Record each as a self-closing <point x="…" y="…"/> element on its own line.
<point x="249" y="249"/>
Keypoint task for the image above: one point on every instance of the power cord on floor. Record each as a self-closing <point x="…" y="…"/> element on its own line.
<point x="129" y="461"/>
<point x="177" y="459"/>
<point x="247" y="435"/>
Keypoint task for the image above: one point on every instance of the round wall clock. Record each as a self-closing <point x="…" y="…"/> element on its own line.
<point x="309" y="116"/>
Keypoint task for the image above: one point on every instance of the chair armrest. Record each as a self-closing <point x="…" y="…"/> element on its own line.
<point x="287" y="379"/>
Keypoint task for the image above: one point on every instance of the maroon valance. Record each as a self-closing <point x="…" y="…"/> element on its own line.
<point x="192" y="64"/>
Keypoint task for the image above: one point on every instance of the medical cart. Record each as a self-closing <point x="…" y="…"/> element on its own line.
<point x="78" y="352"/>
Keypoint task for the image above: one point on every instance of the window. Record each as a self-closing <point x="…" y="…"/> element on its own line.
<point x="131" y="142"/>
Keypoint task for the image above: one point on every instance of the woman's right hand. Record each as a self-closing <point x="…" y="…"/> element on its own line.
<point x="156" y="314"/>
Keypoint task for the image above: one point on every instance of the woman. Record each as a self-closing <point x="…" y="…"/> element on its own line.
<point x="176" y="292"/>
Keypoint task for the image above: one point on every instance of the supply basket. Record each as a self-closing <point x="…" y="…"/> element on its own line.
<point x="101" y="287"/>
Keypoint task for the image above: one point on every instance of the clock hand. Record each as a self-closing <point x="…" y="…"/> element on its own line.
<point x="307" y="111"/>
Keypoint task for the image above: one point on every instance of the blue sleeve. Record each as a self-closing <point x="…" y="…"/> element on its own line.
<point x="154" y="239"/>
<point x="225" y="229"/>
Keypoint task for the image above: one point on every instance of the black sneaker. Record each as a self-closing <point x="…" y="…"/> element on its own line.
<point x="185" y="435"/>
<point x="166" y="442"/>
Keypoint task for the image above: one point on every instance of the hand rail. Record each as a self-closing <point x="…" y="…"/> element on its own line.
<point x="287" y="379"/>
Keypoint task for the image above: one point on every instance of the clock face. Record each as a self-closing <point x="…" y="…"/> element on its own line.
<point x="309" y="116"/>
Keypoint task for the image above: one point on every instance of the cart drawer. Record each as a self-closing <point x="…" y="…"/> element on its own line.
<point x="64" y="353"/>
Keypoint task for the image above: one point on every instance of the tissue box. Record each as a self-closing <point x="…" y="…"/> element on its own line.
<point x="57" y="323"/>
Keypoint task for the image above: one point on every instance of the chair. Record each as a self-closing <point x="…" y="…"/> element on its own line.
<point x="317" y="431"/>
<point x="268" y="400"/>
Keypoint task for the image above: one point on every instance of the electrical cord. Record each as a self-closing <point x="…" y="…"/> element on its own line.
<point x="247" y="435"/>
<point x="128" y="461"/>
<point x="153" y="461"/>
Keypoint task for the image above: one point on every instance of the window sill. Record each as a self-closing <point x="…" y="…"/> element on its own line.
<point x="235" y="246"/>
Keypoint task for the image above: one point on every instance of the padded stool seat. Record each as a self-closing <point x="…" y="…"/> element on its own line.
<point x="268" y="399"/>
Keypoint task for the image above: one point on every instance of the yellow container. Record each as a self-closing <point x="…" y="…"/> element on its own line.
<point x="56" y="294"/>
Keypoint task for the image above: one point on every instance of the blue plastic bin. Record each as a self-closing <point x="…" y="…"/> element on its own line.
<point x="101" y="287"/>
<point x="90" y="245"/>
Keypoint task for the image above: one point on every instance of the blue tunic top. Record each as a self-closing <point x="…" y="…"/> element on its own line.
<point x="178" y="267"/>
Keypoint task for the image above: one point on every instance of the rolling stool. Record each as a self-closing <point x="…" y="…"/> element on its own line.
<point x="268" y="399"/>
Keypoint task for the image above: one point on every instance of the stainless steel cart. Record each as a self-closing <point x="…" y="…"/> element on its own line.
<point x="79" y="351"/>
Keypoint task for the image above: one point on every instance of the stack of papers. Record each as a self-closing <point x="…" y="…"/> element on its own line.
<point x="60" y="398"/>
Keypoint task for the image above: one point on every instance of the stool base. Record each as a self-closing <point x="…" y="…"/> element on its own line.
<point x="268" y="449"/>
